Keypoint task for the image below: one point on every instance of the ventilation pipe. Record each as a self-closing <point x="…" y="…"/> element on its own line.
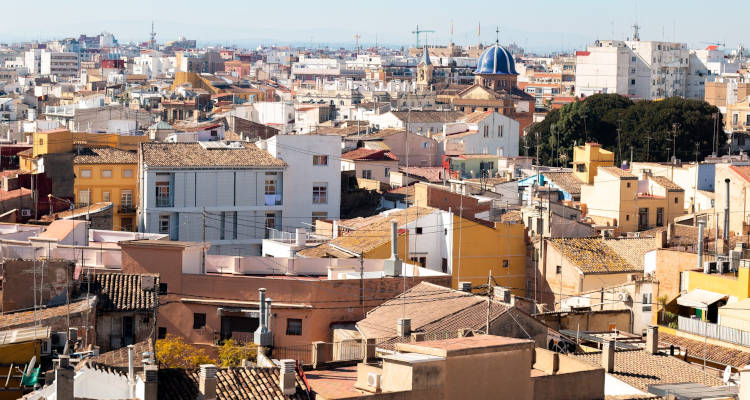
<point x="392" y="266"/>
<point x="700" y="247"/>
<point x="608" y="356"/>
<point x="287" y="379"/>
<point x="726" y="215"/>
<point x="207" y="381"/>
<point x="262" y="335"/>
<point x="300" y="237"/>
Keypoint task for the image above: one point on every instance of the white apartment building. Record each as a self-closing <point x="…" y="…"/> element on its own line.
<point x="312" y="179"/>
<point x="706" y="66"/>
<point x="33" y="60"/>
<point x="228" y="193"/>
<point x="634" y="68"/>
<point x="482" y="133"/>
<point x="58" y="63"/>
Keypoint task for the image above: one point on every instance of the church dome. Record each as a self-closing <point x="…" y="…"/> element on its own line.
<point x="496" y="60"/>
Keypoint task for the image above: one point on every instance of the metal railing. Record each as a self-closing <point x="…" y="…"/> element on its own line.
<point x="301" y="353"/>
<point x="163" y="201"/>
<point x="713" y="331"/>
<point x="291" y="237"/>
<point x="127" y="209"/>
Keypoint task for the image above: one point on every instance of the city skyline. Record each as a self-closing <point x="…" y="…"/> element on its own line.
<point x="551" y="27"/>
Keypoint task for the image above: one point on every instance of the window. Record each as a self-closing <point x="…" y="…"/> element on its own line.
<point x="486" y="131"/>
<point x="426" y="145"/>
<point x="627" y="217"/>
<point x="84" y="197"/>
<point x="632" y="81"/>
<point x="127" y="173"/>
<point x="660" y="216"/>
<point x="164" y="224"/>
<point x="444" y="265"/>
<point x="506" y="263"/>
<point x="162" y="288"/>
<point x="500" y="130"/>
<point x="270" y="222"/>
<point x="647" y="301"/>
<point x="162" y="194"/>
<point x="320" y="193"/>
<point x="106" y="173"/>
<point x="419" y="230"/>
<point x="320" y="160"/>
<point x="558" y="269"/>
<point x="85" y="173"/>
<point x="41" y="141"/>
<point x="269" y="188"/>
<point x="319" y="215"/>
<point x="162" y="332"/>
<point x="293" y="326"/>
<point x="126" y="199"/>
<point x="580" y="167"/>
<point x="105" y="196"/>
<point x="676" y="200"/>
<point x="366" y="174"/>
<point x="387" y="172"/>
<point x="199" y="320"/>
<point x="627" y="184"/>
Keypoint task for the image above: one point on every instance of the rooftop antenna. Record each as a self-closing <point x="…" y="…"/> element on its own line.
<point x="153" y="36"/>
<point x="479" y="34"/>
<point x="356" y="42"/>
<point x="636" y="32"/>
<point x="451" y="31"/>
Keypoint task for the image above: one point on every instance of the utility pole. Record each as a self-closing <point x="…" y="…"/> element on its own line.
<point x="203" y="261"/>
<point x="490" y="293"/>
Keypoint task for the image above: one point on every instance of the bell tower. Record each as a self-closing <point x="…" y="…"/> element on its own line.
<point x="424" y="70"/>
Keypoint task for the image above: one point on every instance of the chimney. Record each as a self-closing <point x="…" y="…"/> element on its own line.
<point x="64" y="378"/>
<point x="403" y="327"/>
<point x="652" y="340"/>
<point x="299" y="237"/>
<point x="131" y="354"/>
<point x="464" y="287"/>
<point x="701" y="224"/>
<point x="262" y="335"/>
<point x="335" y="229"/>
<point x="392" y="266"/>
<point x="207" y="382"/>
<point x="287" y="379"/>
<point x="151" y="382"/>
<point x="608" y="356"/>
<point x="725" y="236"/>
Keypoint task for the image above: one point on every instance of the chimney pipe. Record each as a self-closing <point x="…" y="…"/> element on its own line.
<point x="300" y="237"/>
<point x="608" y="356"/>
<point x="207" y="382"/>
<point x="287" y="379"/>
<point x="652" y="340"/>
<point x="394" y="240"/>
<point x="701" y="224"/>
<point x="262" y="336"/>
<point x="131" y="354"/>
<point x="726" y="215"/>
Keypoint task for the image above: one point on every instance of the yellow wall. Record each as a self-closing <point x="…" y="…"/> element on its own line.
<point x="383" y="251"/>
<point x="52" y="142"/>
<point x="591" y="156"/>
<point x="115" y="185"/>
<point x="729" y="285"/>
<point x="483" y="249"/>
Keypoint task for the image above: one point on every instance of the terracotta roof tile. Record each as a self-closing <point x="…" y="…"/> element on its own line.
<point x="195" y="155"/>
<point x="231" y="384"/>
<point x="119" y="357"/>
<point x="105" y="155"/>
<point x="726" y="355"/>
<point x="430" y="174"/>
<point x="593" y="256"/>
<point x="632" y="249"/>
<point x="565" y="180"/>
<point x="26" y="318"/>
<point x="639" y="369"/>
<point x="121" y="292"/>
<point x="371" y="155"/>
<point x="427" y="117"/>
<point x="619" y="172"/>
<point x="666" y="184"/>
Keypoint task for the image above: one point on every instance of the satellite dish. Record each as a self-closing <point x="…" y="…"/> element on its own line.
<point x="727" y="374"/>
<point x="30" y="367"/>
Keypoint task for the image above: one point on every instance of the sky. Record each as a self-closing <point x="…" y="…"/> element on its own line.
<point x="542" y="25"/>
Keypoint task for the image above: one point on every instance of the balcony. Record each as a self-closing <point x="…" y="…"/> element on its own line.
<point x="127" y="209"/>
<point x="163" y="201"/>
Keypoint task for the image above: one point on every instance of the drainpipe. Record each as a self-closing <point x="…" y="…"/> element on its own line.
<point x="726" y="216"/>
<point x="700" y="246"/>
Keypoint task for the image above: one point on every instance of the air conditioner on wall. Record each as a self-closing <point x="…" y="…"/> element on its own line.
<point x="373" y="380"/>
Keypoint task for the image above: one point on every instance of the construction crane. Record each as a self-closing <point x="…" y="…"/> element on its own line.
<point x="715" y="43"/>
<point x="418" y="31"/>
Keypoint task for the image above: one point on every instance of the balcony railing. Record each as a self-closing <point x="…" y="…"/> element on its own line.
<point x="127" y="209"/>
<point x="713" y="331"/>
<point x="163" y="201"/>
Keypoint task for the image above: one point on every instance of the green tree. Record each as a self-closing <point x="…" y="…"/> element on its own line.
<point x="651" y="128"/>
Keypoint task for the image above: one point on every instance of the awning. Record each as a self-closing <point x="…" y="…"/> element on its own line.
<point x="699" y="298"/>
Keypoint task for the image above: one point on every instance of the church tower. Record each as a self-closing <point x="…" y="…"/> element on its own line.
<point x="424" y="71"/>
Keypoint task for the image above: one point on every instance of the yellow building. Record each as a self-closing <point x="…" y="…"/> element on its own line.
<point x="468" y="249"/>
<point x="738" y="116"/>
<point x="105" y="174"/>
<point x="619" y="199"/>
<point x="587" y="159"/>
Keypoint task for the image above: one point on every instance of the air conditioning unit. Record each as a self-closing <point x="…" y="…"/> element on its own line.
<point x="25" y="212"/>
<point x="373" y="380"/>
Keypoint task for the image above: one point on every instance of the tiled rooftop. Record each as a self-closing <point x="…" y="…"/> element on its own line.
<point x="232" y="384"/>
<point x="121" y="292"/>
<point x="194" y="155"/>
<point x="726" y="355"/>
<point x="619" y="172"/>
<point x="25" y="318"/>
<point x="593" y="256"/>
<point x="666" y="184"/>
<point x="566" y="181"/>
<point x="105" y="155"/>
<point x="368" y="154"/>
<point x="639" y="369"/>
<point x="119" y="357"/>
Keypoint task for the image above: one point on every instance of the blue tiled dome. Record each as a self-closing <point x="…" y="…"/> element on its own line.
<point x="496" y="60"/>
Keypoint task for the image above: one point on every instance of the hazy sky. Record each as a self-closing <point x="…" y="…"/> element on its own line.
<point x="537" y="25"/>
